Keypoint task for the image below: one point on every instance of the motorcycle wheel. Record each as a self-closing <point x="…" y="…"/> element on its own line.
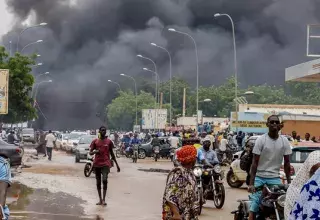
<point x="142" y="154"/>
<point x="118" y="153"/>
<point x="219" y="196"/>
<point x="232" y="180"/>
<point x="87" y="171"/>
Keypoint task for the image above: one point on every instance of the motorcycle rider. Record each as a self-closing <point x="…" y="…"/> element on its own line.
<point x="5" y="182"/>
<point x="269" y="151"/>
<point x="11" y="138"/>
<point x="102" y="147"/>
<point x="135" y="140"/>
<point x="206" y="155"/>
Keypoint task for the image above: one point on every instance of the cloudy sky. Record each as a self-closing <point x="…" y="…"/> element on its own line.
<point x="6" y="18"/>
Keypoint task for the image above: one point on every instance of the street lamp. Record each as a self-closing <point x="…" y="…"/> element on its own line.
<point x="38" y="64"/>
<point x="34" y="26"/>
<point x="36" y="42"/>
<point x="46" y="73"/>
<point x="170" y="70"/>
<point x="155" y="70"/>
<point x="157" y="76"/>
<point x="135" y="88"/>
<point x="38" y="55"/>
<point x="197" y="62"/>
<point x="234" y="50"/>
<point x="207" y="100"/>
<point x="37" y="87"/>
<point x="110" y="81"/>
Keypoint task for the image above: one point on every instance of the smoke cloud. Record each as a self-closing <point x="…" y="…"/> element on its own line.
<point x="89" y="42"/>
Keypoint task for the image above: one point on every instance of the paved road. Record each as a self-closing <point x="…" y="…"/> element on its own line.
<point x="132" y="194"/>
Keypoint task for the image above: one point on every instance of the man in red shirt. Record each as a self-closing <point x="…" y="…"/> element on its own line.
<point x="102" y="148"/>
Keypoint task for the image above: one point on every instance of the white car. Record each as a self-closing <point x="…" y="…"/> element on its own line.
<point x="61" y="141"/>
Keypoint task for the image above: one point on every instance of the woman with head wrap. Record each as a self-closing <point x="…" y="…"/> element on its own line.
<point x="5" y="182"/>
<point x="301" y="178"/>
<point x="180" y="195"/>
<point x="307" y="205"/>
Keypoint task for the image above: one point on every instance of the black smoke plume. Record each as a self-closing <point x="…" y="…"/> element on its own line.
<point x="88" y="42"/>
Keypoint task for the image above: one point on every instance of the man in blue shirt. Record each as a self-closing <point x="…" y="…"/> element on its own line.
<point x="135" y="140"/>
<point x="206" y="155"/>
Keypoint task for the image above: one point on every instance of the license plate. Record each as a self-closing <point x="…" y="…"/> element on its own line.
<point x="156" y="151"/>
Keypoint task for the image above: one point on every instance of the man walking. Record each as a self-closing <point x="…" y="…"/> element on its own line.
<point x="50" y="143"/>
<point x="268" y="152"/>
<point x="102" y="148"/>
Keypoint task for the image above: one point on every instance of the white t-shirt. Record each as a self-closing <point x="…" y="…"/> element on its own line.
<point x="50" y="138"/>
<point x="174" y="141"/>
<point x="223" y="144"/>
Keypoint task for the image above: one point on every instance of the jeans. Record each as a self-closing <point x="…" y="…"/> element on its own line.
<point x="49" y="152"/>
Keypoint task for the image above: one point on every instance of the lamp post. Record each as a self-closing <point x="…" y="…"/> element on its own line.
<point x="27" y="28"/>
<point x="36" y="42"/>
<point x="37" y="65"/>
<point x="234" y="50"/>
<point x="46" y="73"/>
<point x="37" y="88"/>
<point x="170" y="85"/>
<point x="110" y="81"/>
<point x="155" y="70"/>
<point x="135" y="88"/>
<point x="197" y="63"/>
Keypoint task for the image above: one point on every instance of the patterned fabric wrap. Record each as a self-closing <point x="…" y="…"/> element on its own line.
<point x="5" y="173"/>
<point x="187" y="154"/>
<point x="307" y="205"/>
<point x="181" y="190"/>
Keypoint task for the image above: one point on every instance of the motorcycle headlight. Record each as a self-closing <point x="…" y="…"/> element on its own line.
<point x="217" y="168"/>
<point x="281" y="200"/>
<point x="197" y="171"/>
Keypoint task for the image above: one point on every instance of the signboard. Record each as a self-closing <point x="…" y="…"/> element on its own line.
<point x="4" y="91"/>
<point x="154" y="118"/>
<point x="252" y="122"/>
<point x="136" y="128"/>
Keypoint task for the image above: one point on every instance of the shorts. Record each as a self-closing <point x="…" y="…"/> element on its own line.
<point x="104" y="171"/>
<point x="255" y="198"/>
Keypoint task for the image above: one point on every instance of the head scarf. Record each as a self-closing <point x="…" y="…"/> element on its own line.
<point x="307" y="203"/>
<point x="187" y="154"/>
<point x="301" y="178"/>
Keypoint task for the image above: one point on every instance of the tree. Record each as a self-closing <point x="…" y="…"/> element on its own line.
<point x="20" y="86"/>
<point x="121" y="112"/>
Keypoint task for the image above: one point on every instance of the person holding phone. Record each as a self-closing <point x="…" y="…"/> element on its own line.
<point x="102" y="148"/>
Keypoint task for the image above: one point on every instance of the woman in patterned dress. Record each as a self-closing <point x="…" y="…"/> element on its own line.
<point x="180" y="195"/>
<point x="307" y="205"/>
<point x="301" y="178"/>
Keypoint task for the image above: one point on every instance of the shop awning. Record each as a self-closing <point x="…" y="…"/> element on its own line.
<point x="304" y="72"/>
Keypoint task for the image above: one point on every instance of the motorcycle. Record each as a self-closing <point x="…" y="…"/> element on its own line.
<point x="120" y="151"/>
<point x="135" y="154"/>
<point x="271" y="205"/>
<point x="88" y="168"/>
<point x="212" y="185"/>
<point x="197" y="171"/>
<point x="156" y="151"/>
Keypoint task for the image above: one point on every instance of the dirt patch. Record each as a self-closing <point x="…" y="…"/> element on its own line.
<point x="52" y="170"/>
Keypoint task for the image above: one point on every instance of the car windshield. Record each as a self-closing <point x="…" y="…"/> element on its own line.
<point x="86" y="139"/>
<point x="27" y="131"/>
<point x="74" y="136"/>
<point x="299" y="156"/>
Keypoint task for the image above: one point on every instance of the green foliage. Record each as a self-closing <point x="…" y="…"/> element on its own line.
<point x="20" y="86"/>
<point x="121" y="112"/>
<point x="222" y="98"/>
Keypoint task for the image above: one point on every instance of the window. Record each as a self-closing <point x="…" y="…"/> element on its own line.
<point x="298" y="156"/>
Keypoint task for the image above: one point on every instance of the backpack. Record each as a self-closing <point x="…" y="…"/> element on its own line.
<point x="246" y="159"/>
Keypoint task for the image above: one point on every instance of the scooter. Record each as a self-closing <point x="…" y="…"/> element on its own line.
<point x="88" y="168"/>
<point x="236" y="177"/>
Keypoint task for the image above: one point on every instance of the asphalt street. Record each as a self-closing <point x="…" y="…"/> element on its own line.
<point x="133" y="193"/>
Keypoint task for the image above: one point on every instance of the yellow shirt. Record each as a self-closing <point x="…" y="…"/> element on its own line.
<point x="197" y="146"/>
